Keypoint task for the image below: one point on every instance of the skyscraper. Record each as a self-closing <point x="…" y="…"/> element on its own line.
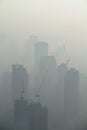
<point x="21" y="115"/>
<point x="30" y="116"/>
<point x="41" y="49"/>
<point x="61" y="73"/>
<point x="19" y="82"/>
<point x="28" y="54"/>
<point x="5" y="100"/>
<point x="38" y="116"/>
<point x="71" y="98"/>
<point x="47" y="86"/>
<point x="33" y="39"/>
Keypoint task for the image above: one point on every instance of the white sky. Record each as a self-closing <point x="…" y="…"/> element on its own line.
<point x="53" y="20"/>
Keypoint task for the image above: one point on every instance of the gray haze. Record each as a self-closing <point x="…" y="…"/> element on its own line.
<point x="62" y="26"/>
<point x="55" y="21"/>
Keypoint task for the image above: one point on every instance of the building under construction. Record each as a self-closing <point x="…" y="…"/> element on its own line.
<point x="30" y="116"/>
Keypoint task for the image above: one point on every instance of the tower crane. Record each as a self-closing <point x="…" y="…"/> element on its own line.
<point x="37" y="93"/>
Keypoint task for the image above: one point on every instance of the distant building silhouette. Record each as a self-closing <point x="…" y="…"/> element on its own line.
<point x="41" y="49"/>
<point x="21" y="121"/>
<point x="47" y="76"/>
<point x="28" y="52"/>
<point x="33" y="39"/>
<point x="38" y="117"/>
<point x="71" y="98"/>
<point x="47" y="64"/>
<point x="83" y="94"/>
<point x="6" y="100"/>
<point x="62" y="69"/>
<point x="47" y="86"/>
<point x="30" y="116"/>
<point x="19" y="81"/>
<point x="61" y="73"/>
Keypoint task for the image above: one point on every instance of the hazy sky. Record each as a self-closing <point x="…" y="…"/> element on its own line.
<point x="55" y="21"/>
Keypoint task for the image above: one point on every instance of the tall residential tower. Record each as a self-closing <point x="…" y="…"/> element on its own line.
<point x="71" y="98"/>
<point x="41" y="49"/>
<point x="19" y="82"/>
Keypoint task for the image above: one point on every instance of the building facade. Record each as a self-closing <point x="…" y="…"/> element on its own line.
<point x="30" y="116"/>
<point x="71" y="98"/>
<point x="41" y="49"/>
<point x="19" y="82"/>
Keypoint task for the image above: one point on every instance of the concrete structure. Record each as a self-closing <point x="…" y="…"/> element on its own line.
<point x="41" y="49"/>
<point x="21" y="115"/>
<point x="47" y="78"/>
<point x="19" y="82"/>
<point x="6" y="100"/>
<point x="30" y="116"/>
<point x="47" y="86"/>
<point x="28" y="52"/>
<point x="38" y="117"/>
<point x="71" y="99"/>
<point x="61" y="73"/>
